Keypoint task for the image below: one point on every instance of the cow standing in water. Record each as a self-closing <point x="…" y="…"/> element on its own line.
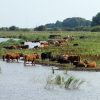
<point x="12" y="56"/>
<point x="30" y="58"/>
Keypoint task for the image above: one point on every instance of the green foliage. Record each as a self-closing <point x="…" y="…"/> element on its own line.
<point x="96" y="20"/>
<point x="69" y="24"/>
<point x="68" y="82"/>
<point x="75" y="22"/>
<point x="58" y="79"/>
<point x="9" y="43"/>
<point x="13" y="28"/>
<point x="73" y="83"/>
<point x="40" y="28"/>
<point x="95" y="29"/>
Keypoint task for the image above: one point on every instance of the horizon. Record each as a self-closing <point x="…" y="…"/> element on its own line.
<point x="33" y="13"/>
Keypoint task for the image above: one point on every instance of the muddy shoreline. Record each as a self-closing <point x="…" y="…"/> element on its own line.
<point x="64" y="67"/>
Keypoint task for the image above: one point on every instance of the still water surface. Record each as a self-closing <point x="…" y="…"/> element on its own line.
<point x="6" y="39"/>
<point x="27" y="83"/>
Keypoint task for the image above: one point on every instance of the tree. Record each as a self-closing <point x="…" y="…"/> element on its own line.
<point x="96" y="20"/>
<point x="40" y="28"/>
<point x="75" y="22"/>
<point x="69" y="23"/>
<point x="13" y="28"/>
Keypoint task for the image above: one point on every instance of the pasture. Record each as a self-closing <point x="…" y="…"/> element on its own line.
<point x="88" y="43"/>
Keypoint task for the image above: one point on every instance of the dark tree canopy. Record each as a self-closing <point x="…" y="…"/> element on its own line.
<point x="73" y="22"/>
<point x="40" y="28"/>
<point x="96" y="20"/>
<point x="13" y="28"/>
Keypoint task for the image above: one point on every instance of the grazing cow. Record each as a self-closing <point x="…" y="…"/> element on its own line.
<point x="90" y="64"/>
<point x="73" y="58"/>
<point x="79" y="64"/>
<point x="57" y="43"/>
<point x="24" y="46"/>
<point x="45" y="55"/>
<point x="31" y="58"/>
<point x="44" y="46"/>
<point x="63" y="59"/>
<point x="36" y="47"/>
<point x="12" y="56"/>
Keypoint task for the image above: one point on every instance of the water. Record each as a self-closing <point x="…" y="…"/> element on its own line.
<point x="27" y="83"/>
<point x="6" y="39"/>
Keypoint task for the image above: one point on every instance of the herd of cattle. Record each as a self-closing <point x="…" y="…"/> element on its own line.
<point x="40" y="44"/>
<point x="62" y="59"/>
<point x="28" y="45"/>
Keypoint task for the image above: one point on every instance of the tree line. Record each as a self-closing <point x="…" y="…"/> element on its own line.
<point x="69" y="24"/>
<point x="73" y="24"/>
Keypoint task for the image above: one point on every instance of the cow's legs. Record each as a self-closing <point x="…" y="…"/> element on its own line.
<point x="33" y="62"/>
<point x="24" y="63"/>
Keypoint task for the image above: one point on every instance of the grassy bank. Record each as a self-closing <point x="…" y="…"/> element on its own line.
<point x="88" y="46"/>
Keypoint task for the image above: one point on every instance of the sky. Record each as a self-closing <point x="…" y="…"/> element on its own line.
<point x="32" y="13"/>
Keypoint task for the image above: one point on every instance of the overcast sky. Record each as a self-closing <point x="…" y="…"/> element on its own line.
<point x="31" y="13"/>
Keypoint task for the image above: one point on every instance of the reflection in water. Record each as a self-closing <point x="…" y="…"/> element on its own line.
<point x="27" y="83"/>
<point x="0" y="70"/>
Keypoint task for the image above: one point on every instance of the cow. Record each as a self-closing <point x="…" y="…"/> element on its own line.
<point x="90" y="64"/>
<point x="24" y="46"/>
<point x="45" y="55"/>
<point x="73" y="58"/>
<point x="63" y="59"/>
<point x="30" y="58"/>
<point x="79" y="64"/>
<point x="44" y="46"/>
<point x="12" y="56"/>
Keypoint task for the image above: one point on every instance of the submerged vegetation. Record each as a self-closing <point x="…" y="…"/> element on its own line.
<point x="68" y="82"/>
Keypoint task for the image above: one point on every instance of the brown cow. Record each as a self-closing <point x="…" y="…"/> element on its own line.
<point x="90" y="64"/>
<point x="31" y="58"/>
<point x="12" y="56"/>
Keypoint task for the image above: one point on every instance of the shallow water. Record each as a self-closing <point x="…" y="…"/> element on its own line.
<point x="27" y="83"/>
<point x="6" y="39"/>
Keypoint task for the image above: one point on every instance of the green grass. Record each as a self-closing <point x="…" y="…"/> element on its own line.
<point x="89" y="47"/>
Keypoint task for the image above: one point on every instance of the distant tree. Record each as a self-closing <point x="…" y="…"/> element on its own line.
<point x="75" y="22"/>
<point x="58" y="24"/>
<point x="40" y="28"/>
<point x="13" y="28"/>
<point x="96" y="20"/>
<point x="25" y="29"/>
<point x="50" y="25"/>
<point x="69" y="24"/>
<point x="4" y="29"/>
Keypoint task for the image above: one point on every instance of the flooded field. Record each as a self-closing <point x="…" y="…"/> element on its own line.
<point x="27" y="83"/>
